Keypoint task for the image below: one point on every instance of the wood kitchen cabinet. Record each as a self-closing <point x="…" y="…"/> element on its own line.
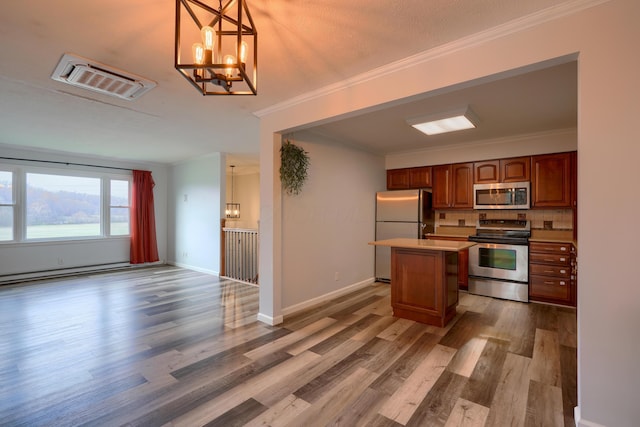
<point x="424" y="285"/>
<point x="551" y="181"/>
<point x="463" y="259"/>
<point x="453" y="186"/>
<point x="462" y="181"/>
<point x="514" y="169"/>
<point x="405" y="178"/>
<point x="552" y="273"/>
<point x="420" y="177"/>
<point x="397" y="179"/>
<point x="441" y="194"/>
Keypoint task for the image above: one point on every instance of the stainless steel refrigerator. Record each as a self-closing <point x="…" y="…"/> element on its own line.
<point x="400" y="213"/>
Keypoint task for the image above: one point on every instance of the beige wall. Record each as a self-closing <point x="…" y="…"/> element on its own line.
<point x="603" y="37"/>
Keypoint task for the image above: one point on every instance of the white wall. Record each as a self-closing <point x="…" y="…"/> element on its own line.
<point x="247" y="193"/>
<point x="42" y="257"/>
<point x="195" y="209"/>
<point x="603" y="36"/>
<point x="327" y="226"/>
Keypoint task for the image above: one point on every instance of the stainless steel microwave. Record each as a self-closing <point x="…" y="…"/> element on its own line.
<point x="504" y="195"/>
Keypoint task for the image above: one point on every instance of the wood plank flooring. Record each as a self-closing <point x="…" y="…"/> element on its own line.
<point x="165" y="346"/>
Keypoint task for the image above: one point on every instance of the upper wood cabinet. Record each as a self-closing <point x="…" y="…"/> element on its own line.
<point x="453" y="186"/>
<point x="441" y="196"/>
<point x="504" y="170"/>
<point x="515" y="169"/>
<point x="420" y="177"/>
<point x="551" y="180"/>
<point x="462" y="180"/>
<point x="486" y="172"/>
<point x="397" y="179"/>
<point x="402" y="179"/>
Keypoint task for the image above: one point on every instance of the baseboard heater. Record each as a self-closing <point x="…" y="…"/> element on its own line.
<point x="65" y="272"/>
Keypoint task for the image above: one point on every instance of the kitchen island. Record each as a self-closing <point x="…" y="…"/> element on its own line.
<point x="424" y="278"/>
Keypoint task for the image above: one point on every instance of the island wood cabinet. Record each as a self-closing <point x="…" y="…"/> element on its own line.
<point x="551" y="181"/>
<point x="551" y="273"/>
<point x="424" y="285"/>
<point x="453" y="186"/>
<point x="406" y="178"/>
<point x="463" y="259"/>
<point x="504" y="170"/>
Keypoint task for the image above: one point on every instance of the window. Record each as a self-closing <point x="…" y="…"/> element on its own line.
<point x="62" y="206"/>
<point x="39" y="204"/>
<point x="119" y="208"/>
<point x="7" y="205"/>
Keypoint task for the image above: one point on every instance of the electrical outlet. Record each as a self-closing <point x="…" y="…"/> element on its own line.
<point x="186" y="197"/>
<point x="336" y="276"/>
<point x="442" y="215"/>
<point x="548" y="225"/>
<point x="461" y="223"/>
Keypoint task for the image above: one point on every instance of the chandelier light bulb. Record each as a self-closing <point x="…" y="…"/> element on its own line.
<point x="198" y="53"/>
<point x="244" y="51"/>
<point x="208" y="40"/>
<point x="229" y="61"/>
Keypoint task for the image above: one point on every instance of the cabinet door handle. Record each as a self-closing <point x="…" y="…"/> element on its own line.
<point x="563" y="259"/>
<point x="563" y="248"/>
<point x="562" y="283"/>
<point x="563" y="271"/>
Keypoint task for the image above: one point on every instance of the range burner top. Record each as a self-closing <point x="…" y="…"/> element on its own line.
<point x="512" y="231"/>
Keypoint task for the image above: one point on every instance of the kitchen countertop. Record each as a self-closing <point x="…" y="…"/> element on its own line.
<point x="553" y="236"/>
<point x="434" y="245"/>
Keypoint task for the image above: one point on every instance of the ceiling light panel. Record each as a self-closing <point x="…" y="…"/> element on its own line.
<point x="451" y="121"/>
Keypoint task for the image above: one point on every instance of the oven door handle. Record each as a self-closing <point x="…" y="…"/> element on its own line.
<point x="499" y="241"/>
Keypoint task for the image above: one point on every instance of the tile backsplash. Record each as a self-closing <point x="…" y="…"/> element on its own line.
<point x="542" y="219"/>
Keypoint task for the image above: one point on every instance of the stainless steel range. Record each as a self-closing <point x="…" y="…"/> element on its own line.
<point x="499" y="262"/>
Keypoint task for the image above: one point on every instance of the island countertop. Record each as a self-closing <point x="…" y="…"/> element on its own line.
<point x="434" y="245"/>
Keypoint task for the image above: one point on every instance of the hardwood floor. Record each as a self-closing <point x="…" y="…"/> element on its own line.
<point x="166" y="346"/>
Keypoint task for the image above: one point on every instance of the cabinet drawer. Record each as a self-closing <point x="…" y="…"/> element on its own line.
<point x="543" y="258"/>
<point x="553" y="248"/>
<point x="549" y="288"/>
<point x="558" y="271"/>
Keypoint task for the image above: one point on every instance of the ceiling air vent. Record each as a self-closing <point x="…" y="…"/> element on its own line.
<point x="92" y="75"/>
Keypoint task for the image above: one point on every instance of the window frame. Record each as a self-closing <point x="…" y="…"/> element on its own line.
<point x="13" y="204"/>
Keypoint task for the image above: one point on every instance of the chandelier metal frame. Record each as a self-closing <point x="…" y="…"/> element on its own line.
<point x="231" y="22"/>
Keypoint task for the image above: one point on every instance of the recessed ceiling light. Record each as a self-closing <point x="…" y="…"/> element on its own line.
<point x="449" y="121"/>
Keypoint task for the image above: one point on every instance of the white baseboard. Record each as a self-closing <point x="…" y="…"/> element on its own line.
<point x="191" y="267"/>
<point x="270" y="320"/>
<point x="326" y="297"/>
<point x="580" y="422"/>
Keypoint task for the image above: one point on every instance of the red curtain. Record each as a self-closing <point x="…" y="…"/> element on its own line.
<point x="144" y="247"/>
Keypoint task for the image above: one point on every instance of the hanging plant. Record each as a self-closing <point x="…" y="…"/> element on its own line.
<point x="293" y="167"/>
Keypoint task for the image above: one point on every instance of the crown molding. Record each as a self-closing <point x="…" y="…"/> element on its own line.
<point x="511" y="27"/>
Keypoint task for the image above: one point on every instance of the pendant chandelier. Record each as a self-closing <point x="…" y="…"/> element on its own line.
<point x="233" y="209"/>
<point x="221" y="46"/>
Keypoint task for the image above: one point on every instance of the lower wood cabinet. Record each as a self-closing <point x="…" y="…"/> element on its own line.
<point x="463" y="260"/>
<point x="424" y="285"/>
<point x="551" y="273"/>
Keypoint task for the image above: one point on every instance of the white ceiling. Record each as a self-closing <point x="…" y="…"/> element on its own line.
<point x="304" y="46"/>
